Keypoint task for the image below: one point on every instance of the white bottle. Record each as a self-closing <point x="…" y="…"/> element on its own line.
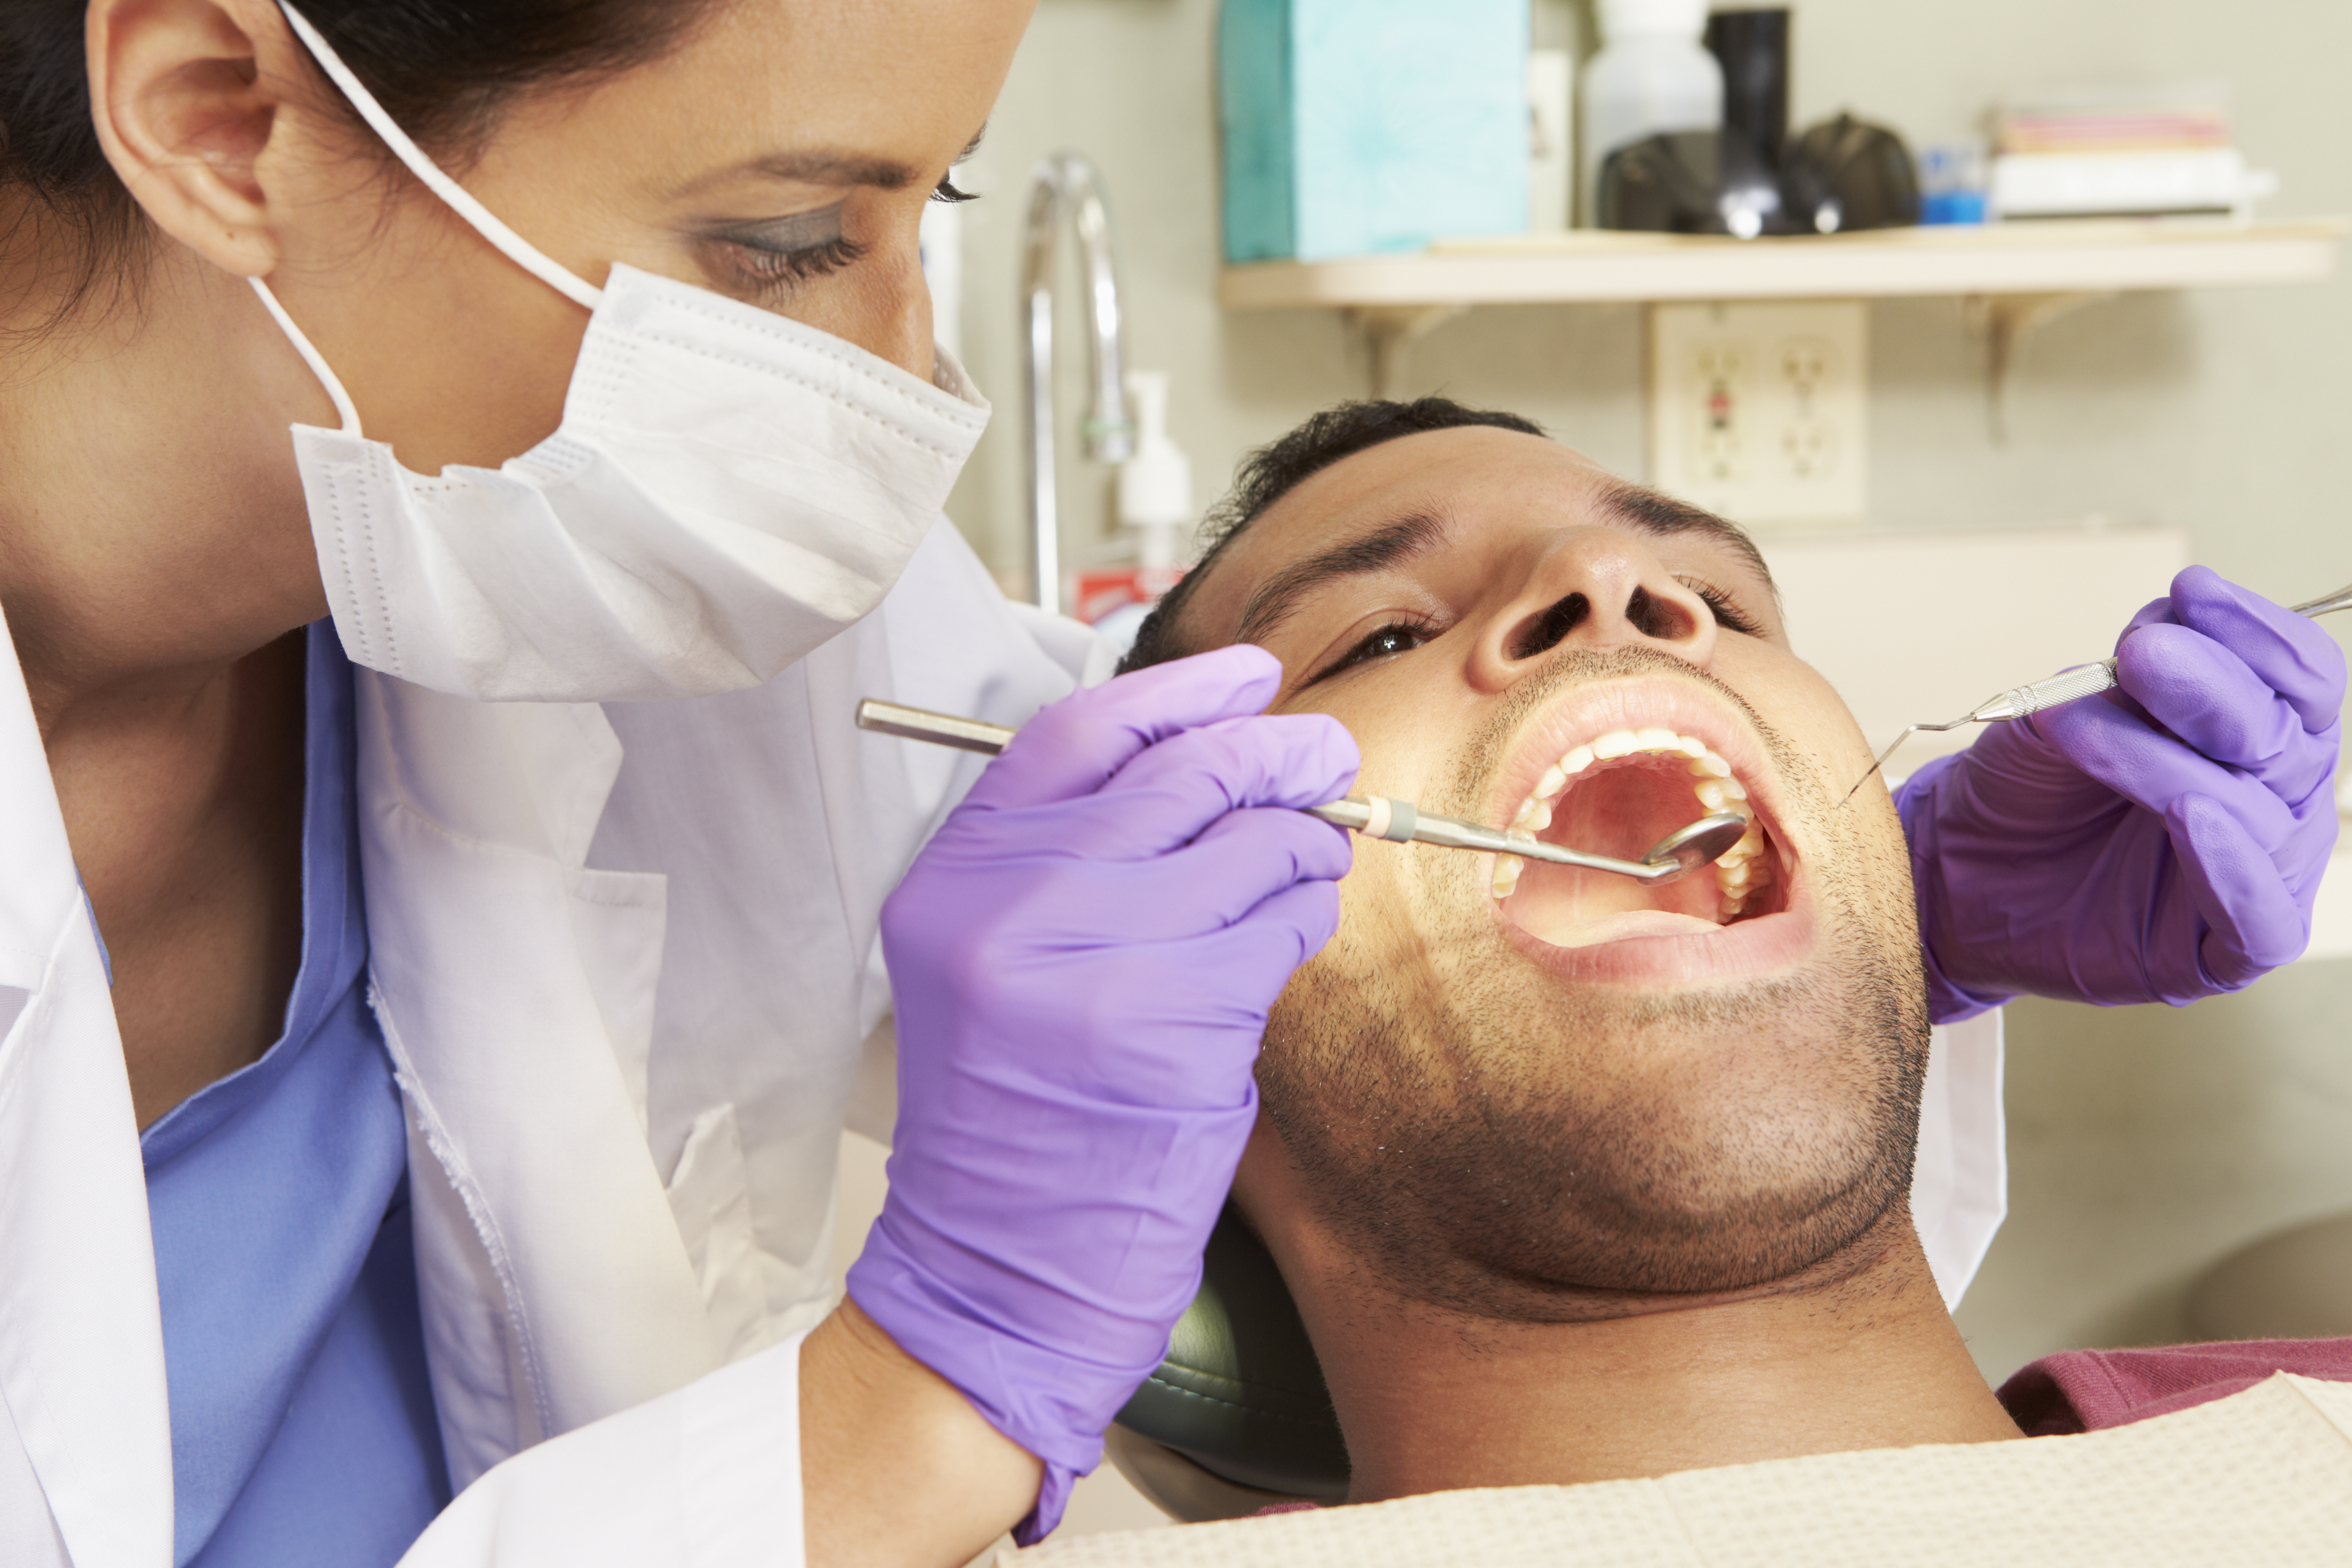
<point x="1155" y="486"/>
<point x="1653" y="75"/>
<point x="1551" y="157"/>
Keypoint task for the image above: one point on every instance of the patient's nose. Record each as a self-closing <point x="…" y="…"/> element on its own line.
<point x="1597" y="589"/>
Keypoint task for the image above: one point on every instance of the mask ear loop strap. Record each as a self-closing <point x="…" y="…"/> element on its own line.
<point x="344" y="408"/>
<point x="521" y="251"/>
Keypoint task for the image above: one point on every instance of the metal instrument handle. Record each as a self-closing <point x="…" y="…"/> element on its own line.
<point x="2065" y="686"/>
<point x="2339" y="600"/>
<point x="940" y="729"/>
<point x="1399" y="821"/>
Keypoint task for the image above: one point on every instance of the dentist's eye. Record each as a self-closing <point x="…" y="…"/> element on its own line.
<point x="1396" y="637"/>
<point x="946" y="190"/>
<point x="770" y="255"/>
<point x="778" y="268"/>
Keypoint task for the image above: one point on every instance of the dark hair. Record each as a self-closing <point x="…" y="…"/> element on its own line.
<point x="441" y="68"/>
<point x="1272" y="471"/>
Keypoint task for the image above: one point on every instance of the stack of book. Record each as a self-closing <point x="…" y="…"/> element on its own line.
<point x="2150" y="151"/>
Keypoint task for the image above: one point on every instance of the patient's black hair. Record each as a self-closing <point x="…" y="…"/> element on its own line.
<point x="1272" y="471"/>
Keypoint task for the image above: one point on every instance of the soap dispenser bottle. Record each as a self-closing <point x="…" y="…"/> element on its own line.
<point x="1653" y="73"/>
<point x="1155" y="486"/>
<point x="1155" y="505"/>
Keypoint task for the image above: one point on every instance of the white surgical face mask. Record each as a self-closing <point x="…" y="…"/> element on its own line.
<point x="727" y="490"/>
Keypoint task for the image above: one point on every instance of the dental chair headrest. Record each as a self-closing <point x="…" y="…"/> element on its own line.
<point x="1240" y="1395"/>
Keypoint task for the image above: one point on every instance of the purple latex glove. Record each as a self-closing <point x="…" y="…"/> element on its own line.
<point x="2158" y="843"/>
<point x="1083" y="959"/>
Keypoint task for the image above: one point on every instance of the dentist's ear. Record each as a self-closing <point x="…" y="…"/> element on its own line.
<point x="195" y="102"/>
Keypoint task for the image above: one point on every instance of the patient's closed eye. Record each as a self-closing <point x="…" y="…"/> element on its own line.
<point x="1728" y="615"/>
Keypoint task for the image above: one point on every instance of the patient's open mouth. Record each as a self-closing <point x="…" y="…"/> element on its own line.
<point x="1617" y="794"/>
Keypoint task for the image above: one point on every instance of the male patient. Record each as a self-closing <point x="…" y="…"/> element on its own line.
<point x="1574" y="1179"/>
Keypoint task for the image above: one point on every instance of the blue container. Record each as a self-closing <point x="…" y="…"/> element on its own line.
<point x="1357" y="126"/>
<point x="1952" y="185"/>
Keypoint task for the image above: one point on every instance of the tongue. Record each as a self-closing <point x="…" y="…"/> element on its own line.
<point x="1618" y="925"/>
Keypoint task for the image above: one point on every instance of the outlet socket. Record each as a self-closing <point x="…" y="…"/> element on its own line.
<point x="1759" y="411"/>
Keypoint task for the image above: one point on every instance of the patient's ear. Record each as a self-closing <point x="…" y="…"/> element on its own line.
<point x="195" y="102"/>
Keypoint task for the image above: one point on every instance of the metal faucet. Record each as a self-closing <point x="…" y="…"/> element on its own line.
<point x="1066" y="182"/>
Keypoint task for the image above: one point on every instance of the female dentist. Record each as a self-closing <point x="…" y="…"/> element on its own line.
<point x="541" y="1015"/>
<point x="426" y="1040"/>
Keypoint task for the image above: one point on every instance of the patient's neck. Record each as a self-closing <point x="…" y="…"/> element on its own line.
<point x="1433" y="1399"/>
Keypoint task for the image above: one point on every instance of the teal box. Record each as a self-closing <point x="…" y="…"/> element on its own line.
<point x="1357" y="126"/>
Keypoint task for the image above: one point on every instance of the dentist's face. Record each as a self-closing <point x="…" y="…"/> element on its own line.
<point x="1554" y="1092"/>
<point x="781" y="153"/>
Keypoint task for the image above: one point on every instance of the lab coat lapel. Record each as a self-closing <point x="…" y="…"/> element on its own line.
<point x="515" y="988"/>
<point x="82" y="1392"/>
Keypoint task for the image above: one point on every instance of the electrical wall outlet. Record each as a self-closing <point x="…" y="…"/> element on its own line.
<point x="1759" y="411"/>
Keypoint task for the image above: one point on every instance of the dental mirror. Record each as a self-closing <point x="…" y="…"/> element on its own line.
<point x="1703" y="843"/>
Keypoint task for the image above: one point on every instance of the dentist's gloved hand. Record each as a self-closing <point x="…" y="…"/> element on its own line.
<point x="2160" y="842"/>
<point x="1083" y="959"/>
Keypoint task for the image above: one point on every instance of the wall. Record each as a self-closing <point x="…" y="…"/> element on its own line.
<point x="2216" y="410"/>
<point x="2147" y="1142"/>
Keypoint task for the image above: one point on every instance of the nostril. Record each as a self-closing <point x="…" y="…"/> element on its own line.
<point x="1545" y="632"/>
<point x="1661" y="618"/>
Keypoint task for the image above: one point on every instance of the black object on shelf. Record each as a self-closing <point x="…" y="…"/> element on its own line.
<point x="1847" y="173"/>
<point x="1753" y="49"/>
<point x="1750" y="179"/>
<point x="1691" y="181"/>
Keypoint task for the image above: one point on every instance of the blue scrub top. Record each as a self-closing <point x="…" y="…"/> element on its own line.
<point x="302" y="1422"/>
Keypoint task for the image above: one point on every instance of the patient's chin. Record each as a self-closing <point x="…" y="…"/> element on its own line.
<point x="1491" y="1141"/>
<point x="1581" y="1217"/>
<point x="1564" y="1203"/>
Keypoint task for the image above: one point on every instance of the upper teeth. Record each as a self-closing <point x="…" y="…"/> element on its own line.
<point x="1737" y="874"/>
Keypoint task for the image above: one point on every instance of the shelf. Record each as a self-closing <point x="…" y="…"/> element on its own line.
<point x="1589" y="267"/>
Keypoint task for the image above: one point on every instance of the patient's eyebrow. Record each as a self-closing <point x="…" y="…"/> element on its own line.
<point x="1384" y="547"/>
<point x="1659" y="515"/>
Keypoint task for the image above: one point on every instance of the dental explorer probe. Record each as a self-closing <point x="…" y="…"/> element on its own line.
<point x="2088" y="681"/>
<point x="1672" y="858"/>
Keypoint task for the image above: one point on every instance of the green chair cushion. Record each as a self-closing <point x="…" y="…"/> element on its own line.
<point x="1241" y="1393"/>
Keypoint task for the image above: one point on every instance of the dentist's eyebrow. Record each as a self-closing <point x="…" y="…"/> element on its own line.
<point x="826" y="166"/>
<point x="1390" y="545"/>
<point x="819" y="167"/>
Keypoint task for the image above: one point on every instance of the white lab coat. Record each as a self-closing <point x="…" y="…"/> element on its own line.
<point x="623" y="957"/>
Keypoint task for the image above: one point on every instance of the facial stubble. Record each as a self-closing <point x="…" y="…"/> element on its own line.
<point x="1492" y="1139"/>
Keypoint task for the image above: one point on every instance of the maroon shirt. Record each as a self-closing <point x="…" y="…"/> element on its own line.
<point x="2087" y="1390"/>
